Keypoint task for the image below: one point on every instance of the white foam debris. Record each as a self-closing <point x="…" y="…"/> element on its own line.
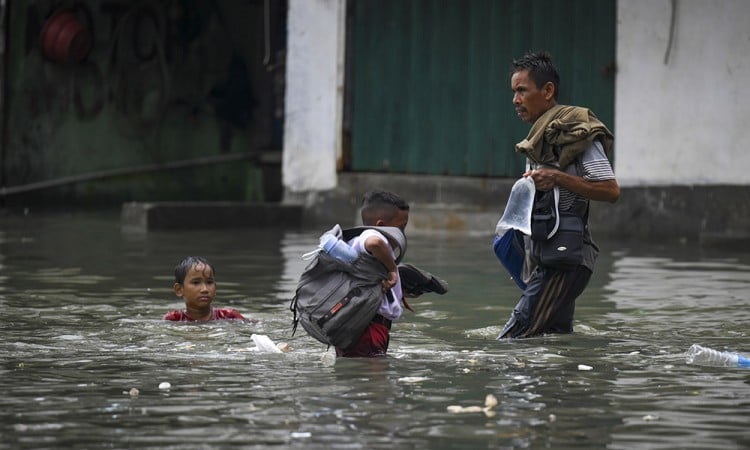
<point x="412" y="379"/>
<point x="284" y="347"/>
<point x="490" y="402"/>
<point x="264" y="344"/>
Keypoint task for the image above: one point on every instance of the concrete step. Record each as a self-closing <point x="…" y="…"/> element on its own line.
<point x="441" y="217"/>
<point x="142" y="217"/>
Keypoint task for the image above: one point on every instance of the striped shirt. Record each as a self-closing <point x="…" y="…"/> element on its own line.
<point x="596" y="167"/>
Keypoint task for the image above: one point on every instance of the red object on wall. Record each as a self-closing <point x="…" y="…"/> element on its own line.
<point x="64" y="39"/>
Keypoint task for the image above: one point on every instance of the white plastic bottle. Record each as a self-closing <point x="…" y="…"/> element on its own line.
<point x="704" y="356"/>
<point x="337" y="248"/>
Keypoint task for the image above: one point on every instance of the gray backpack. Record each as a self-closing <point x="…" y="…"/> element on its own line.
<point x="336" y="300"/>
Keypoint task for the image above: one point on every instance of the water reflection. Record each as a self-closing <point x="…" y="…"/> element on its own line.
<point x="81" y="303"/>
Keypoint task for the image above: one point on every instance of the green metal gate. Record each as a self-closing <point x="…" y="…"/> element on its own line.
<point x="429" y="79"/>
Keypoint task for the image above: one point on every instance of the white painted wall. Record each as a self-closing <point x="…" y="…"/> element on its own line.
<point x="686" y="121"/>
<point x="314" y="94"/>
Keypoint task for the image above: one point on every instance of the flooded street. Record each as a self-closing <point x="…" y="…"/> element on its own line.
<point x="84" y="349"/>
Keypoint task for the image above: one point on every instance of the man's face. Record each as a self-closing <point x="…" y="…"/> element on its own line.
<point x="530" y="100"/>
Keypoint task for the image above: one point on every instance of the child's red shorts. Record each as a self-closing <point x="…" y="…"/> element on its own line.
<point x="372" y="343"/>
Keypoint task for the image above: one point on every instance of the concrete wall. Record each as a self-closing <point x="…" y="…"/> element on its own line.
<point x="314" y="94"/>
<point x="682" y="120"/>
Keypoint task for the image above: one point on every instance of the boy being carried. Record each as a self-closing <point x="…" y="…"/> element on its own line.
<point x="382" y="209"/>
<point x="350" y="294"/>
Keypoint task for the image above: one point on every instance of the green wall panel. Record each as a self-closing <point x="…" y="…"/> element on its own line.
<point x="430" y="78"/>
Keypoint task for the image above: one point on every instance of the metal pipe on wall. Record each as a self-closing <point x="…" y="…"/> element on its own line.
<point x="263" y="158"/>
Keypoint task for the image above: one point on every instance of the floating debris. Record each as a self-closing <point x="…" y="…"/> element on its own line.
<point x="134" y="392"/>
<point x="165" y="385"/>
<point x="412" y="379"/>
<point x="456" y="409"/>
<point x="328" y="358"/>
<point x="264" y="344"/>
<point x="490" y="402"/>
<point x="584" y="367"/>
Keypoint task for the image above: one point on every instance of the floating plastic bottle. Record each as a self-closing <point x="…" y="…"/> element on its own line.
<point x="704" y="356"/>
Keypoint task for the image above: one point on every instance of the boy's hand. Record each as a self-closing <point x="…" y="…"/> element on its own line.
<point x="391" y="281"/>
<point x="381" y="250"/>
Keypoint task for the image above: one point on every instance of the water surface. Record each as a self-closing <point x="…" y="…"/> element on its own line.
<point x="84" y="350"/>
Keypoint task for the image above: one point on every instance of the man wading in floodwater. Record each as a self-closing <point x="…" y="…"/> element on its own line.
<point x="566" y="149"/>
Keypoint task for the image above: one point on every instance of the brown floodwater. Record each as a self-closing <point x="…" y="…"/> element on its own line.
<point x="86" y="358"/>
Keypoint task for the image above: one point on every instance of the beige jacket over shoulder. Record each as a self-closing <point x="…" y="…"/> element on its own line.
<point x="566" y="131"/>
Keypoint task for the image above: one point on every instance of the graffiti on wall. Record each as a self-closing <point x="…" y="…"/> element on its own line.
<point x="148" y="68"/>
<point x="140" y="48"/>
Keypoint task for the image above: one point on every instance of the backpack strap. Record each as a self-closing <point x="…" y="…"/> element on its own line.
<point x="394" y="235"/>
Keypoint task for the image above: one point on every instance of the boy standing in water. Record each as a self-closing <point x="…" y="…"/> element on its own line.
<point x="194" y="281"/>
<point x="386" y="209"/>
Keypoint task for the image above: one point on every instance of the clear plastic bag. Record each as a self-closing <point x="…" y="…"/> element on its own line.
<point x="517" y="214"/>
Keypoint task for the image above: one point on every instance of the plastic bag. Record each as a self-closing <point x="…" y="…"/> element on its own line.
<point x="517" y="214"/>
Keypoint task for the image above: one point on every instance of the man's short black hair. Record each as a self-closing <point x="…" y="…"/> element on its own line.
<point x="540" y="67"/>
<point x="379" y="204"/>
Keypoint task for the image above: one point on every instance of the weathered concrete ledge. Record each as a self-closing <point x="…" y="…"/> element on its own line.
<point x="710" y="215"/>
<point x="137" y="216"/>
<point x="444" y="203"/>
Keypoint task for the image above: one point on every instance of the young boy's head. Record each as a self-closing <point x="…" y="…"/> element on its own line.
<point x="191" y="262"/>
<point x="194" y="280"/>
<point x="384" y="209"/>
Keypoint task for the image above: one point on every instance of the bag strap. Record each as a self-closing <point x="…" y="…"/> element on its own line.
<point x="394" y="235"/>
<point x="582" y="211"/>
